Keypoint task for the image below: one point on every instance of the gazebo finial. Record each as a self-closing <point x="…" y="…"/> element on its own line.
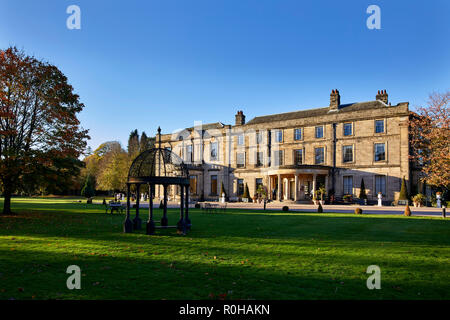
<point x="159" y="137"/>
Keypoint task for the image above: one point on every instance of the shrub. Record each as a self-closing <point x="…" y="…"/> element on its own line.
<point x="88" y="189"/>
<point x="161" y="205"/>
<point x="246" y="194"/>
<point x="362" y="190"/>
<point x="197" y="206"/>
<point x="347" y="197"/>
<point x="285" y="208"/>
<point x="222" y="190"/>
<point x="403" y="191"/>
<point x="358" y="211"/>
<point x="419" y="198"/>
<point x="407" y="211"/>
<point x="319" y="208"/>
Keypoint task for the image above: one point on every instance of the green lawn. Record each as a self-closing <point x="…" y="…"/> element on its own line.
<point x="236" y="255"/>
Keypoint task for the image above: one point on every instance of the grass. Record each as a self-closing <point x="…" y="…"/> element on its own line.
<point x="235" y="255"/>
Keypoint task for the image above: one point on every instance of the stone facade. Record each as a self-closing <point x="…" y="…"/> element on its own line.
<point x="293" y="154"/>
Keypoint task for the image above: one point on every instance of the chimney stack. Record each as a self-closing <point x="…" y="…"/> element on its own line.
<point x="240" y="118"/>
<point x="335" y="99"/>
<point x="382" y="96"/>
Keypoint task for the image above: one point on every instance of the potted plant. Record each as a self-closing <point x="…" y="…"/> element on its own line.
<point x="347" y="198"/>
<point x="322" y="192"/>
<point x="419" y="200"/>
<point x="314" y="199"/>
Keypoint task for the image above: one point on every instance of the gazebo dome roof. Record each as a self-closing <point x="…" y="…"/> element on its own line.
<point x="157" y="163"/>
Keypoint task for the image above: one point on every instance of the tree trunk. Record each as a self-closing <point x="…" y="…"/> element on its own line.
<point x="7" y="203"/>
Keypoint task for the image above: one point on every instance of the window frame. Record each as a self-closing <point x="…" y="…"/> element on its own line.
<point x="351" y="128"/>
<point x="375" y="152"/>
<point x="344" y="185"/>
<point x="323" y="132"/>
<point x="216" y="158"/>
<point x="315" y="155"/>
<point x="343" y="153"/>
<point x="277" y="132"/>
<point x="240" y="165"/>
<point x="295" y="134"/>
<point x="375" y="126"/>
<point x="302" y="150"/>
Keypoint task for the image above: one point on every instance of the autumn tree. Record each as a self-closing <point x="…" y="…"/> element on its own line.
<point x="430" y="140"/>
<point x="38" y="119"/>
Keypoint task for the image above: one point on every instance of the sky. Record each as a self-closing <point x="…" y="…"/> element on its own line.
<point x="144" y="64"/>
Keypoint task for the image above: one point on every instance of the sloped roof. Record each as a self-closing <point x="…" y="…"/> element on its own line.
<point x="376" y="104"/>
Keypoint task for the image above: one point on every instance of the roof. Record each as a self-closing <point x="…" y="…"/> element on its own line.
<point x="358" y="106"/>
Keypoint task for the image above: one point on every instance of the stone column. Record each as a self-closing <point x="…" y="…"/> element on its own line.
<point x="279" y="188"/>
<point x="326" y="183"/>
<point x="296" y="187"/>
<point x="288" y="189"/>
<point x="269" y="188"/>
<point x="314" y="183"/>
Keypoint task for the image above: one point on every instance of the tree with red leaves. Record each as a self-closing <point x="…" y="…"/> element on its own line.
<point x="430" y="140"/>
<point x="38" y="119"/>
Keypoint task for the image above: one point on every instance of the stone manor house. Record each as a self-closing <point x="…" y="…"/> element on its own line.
<point x="293" y="154"/>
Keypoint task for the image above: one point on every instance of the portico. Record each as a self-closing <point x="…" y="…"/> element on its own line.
<point x="297" y="184"/>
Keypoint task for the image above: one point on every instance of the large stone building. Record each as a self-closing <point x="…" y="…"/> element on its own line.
<point x="292" y="154"/>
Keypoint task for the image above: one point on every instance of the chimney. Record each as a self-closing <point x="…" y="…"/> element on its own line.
<point x="335" y="99"/>
<point x="382" y="96"/>
<point x="240" y="118"/>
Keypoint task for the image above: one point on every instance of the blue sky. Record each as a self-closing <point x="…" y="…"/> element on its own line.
<point x="140" y="64"/>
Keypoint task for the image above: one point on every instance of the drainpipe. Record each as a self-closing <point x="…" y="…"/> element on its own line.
<point x="333" y="170"/>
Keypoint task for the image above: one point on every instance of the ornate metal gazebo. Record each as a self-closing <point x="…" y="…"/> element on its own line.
<point x="158" y="167"/>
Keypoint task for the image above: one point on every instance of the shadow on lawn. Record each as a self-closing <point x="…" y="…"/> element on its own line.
<point x="112" y="277"/>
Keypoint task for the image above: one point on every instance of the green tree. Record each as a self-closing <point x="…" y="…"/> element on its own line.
<point x="362" y="190"/>
<point x="38" y="120"/>
<point x="246" y="194"/>
<point x="88" y="189"/>
<point x="403" y="191"/>
<point x="114" y="171"/>
<point x="222" y="190"/>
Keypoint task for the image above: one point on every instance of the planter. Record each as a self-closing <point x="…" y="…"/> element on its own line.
<point x="244" y="199"/>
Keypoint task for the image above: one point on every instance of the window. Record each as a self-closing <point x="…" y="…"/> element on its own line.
<point x="259" y="159"/>
<point x="348" y="185"/>
<point x="189" y="153"/>
<point x="240" y="159"/>
<point x="348" y="129"/>
<point x="278" y="158"/>
<point x="298" y="134"/>
<point x="319" y="132"/>
<point x="214" y="185"/>
<point x="379" y="126"/>
<point x="240" y="187"/>
<point x="259" y="137"/>
<point x="240" y="139"/>
<point x="214" y="152"/>
<point x="298" y="157"/>
<point x="347" y="152"/>
<point x="319" y="155"/>
<point x="380" y="185"/>
<point x="380" y="154"/>
<point x="258" y="182"/>
<point x="193" y="184"/>
<point x="278" y="136"/>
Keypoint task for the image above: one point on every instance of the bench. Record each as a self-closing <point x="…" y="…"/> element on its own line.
<point x="213" y="207"/>
<point x="114" y="206"/>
